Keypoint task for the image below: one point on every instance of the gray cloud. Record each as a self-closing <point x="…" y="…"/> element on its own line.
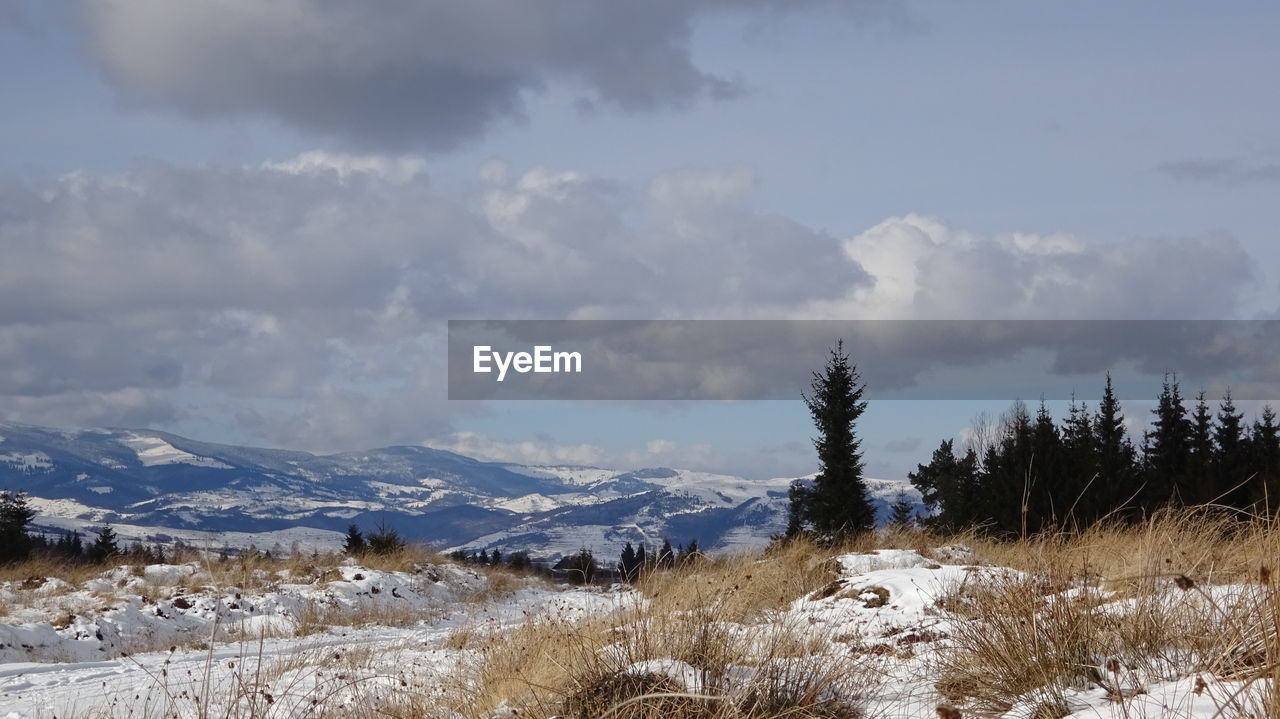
<point x="1223" y="169"/>
<point x="909" y="359"/>
<point x="407" y="72"/>
<point x="308" y="296"/>
<point x="304" y="300"/>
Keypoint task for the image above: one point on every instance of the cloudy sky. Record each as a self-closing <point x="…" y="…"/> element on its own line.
<point x="250" y="222"/>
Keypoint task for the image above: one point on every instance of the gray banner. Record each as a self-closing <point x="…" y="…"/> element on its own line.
<point x="898" y="359"/>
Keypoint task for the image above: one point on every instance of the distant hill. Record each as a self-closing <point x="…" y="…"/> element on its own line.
<point x="156" y="486"/>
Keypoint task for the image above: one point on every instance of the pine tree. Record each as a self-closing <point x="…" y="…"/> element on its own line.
<point x="1230" y="457"/>
<point x="354" y="545"/>
<point x="15" y="516"/>
<point x="105" y="546"/>
<point x="496" y="558"/>
<point x="901" y="512"/>
<point x="1264" y="445"/>
<point x="385" y="540"/>
<point x="582" y="568"/>
<point x="691" y="553"/>
<point x="1007" y="474"/>
<point x="628" y="564"/>
<point x="1118" y="478"/>
<point x="1169" y="449"/>
<point x="949" y="489"/>
<point x="1079" y="467"/>
<point x="1200" y="482"/>
<point x="1046" y="495"/>
<point x="837" y="505"/>
<point x="666" y="555"/>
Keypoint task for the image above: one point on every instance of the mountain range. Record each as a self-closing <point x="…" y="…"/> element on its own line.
<point x="154" y="486"/>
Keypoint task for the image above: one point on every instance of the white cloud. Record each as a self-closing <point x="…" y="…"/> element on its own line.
<point x="924" y="268"/>
<point x="398" y="169"/>
<point x="653" y="453"/>
<point x="479" y="446"/>
<point x="320" y="284"/>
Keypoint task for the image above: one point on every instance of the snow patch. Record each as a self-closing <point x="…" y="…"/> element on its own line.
<point x="154" y="452"/>
<point x="27" y="461"/>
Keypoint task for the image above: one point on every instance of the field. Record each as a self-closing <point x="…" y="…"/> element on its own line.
<point x="1177" y="617"/>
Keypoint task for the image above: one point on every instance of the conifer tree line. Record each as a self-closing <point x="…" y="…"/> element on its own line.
<point x="635" y="562"/>
<point x="383" y="540"/>
<point x="18" y="543"/>
<point x="1029" y="473"/>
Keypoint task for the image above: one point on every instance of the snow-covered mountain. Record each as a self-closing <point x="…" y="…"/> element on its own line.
<point x="157" y="486"/>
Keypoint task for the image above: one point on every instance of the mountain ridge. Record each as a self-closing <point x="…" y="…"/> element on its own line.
<point x="158" y="486"/>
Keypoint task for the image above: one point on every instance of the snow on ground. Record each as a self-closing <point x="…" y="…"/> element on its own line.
<point x="27" y="461"/>
<point x="153" y="451"/>
<point x="131" y="639"/>
<point x="528" y="504"/>
<point x="66" y="514"/>
<point x="567" y="474"/>
<point x="63" y="648"/>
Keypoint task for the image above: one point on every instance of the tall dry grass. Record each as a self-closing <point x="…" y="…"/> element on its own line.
<point x="712" y="624"/>
<point x="1189" y="592"/>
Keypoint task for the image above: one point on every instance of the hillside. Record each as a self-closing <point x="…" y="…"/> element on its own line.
<point x="155" y="486"/>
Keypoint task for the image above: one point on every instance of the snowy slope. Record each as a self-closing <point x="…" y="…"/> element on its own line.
<point x="155" y="486"/>
<point x="128" y="643"/>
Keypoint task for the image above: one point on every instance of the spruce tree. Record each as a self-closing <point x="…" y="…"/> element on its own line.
<point x="1118" y="480"/>
<point x="628" y="564"/>
<point x="15" y="517"/>
<point x="1007" y="470"/>
<point x="691" y="553"/>
<point x="1200" y="484"/>
<point x="582" y="567"/>
<point x="385" y="540"/>
<point x="666" y="555"/>
<point x="1079" y="468"/>
<point x="798" y="494"/>
<point x="1264" y="446"/>
<point x="354" y="544"/>
<point x="837" y="505"/>
<point x="1169" y="449"/>
<point x="949" y="489"/>
<point x="1230" y="461"/>
<point x="1047" y="496"/>
<point x="901" y="511"/>
<point x="105" y="546"/>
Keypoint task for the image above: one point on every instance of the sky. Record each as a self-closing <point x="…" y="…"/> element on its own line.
<point x="250" y="222"/>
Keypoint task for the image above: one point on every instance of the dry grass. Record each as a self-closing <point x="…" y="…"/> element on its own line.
<point x="1121" y="608"/>
<point x="1116" y="607"/>
<point x="714" y="618"/>
<point x="589" y="669"/>
<point x="741" y="588"/>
